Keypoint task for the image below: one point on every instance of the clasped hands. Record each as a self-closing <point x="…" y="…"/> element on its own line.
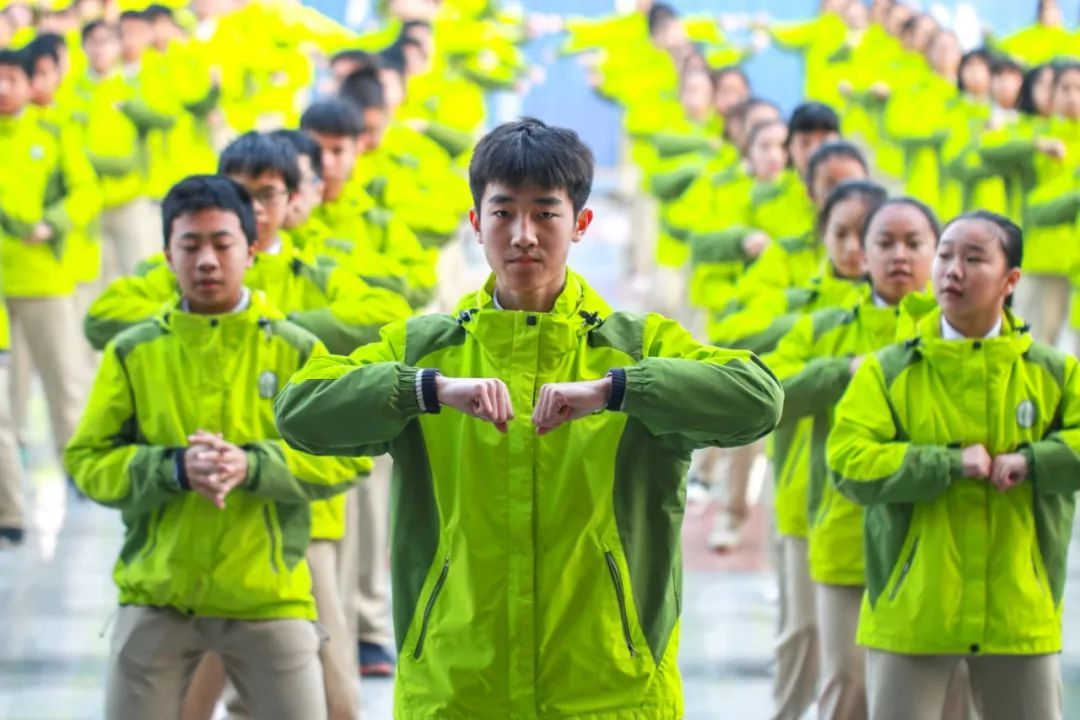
<point x="489" y="400"/>
<point x="214" y="467"/>
<point x="1003" y="471"/>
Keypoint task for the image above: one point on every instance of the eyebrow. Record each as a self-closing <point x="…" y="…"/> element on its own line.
<point x="212" y="235"/>
<point x="502" y="199"/>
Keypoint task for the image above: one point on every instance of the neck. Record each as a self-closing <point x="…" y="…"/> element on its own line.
<point x="975" y="326"/>
<point x="332" y="190"/>
<point x="542" y="300"/>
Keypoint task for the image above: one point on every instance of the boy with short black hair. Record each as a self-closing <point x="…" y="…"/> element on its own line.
<point x="540" y="443"/>
<point x="199" y="467"/>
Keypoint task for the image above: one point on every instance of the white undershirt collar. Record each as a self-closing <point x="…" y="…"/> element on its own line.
<point x="948" y="332"/>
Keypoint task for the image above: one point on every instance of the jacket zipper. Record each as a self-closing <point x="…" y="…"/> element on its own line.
<point x="273" y="538"/>
<point x="616" y="580"/>
<point x="430" y="606"/>
<point x="906" y="569"/>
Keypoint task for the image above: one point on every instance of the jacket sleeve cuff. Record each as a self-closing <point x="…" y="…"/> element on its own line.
<point x="1029" y="455"/>
<point x="180" y="469"/>
<point x="427" y="395"/>
<point x="956" y="463"/>
<point x="617" y="396"/>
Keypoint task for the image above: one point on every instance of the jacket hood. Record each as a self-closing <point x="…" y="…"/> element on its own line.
<point x="1014" y="341"/>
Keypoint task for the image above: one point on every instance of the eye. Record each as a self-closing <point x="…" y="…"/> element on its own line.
<point x="500" y="213"/>
<point x="548" y="215"/>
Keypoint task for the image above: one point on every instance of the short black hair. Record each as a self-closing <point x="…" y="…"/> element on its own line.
<point x="906" y="201"/>
<point x="720" y="73"/>
<point x="46" y="45"/>
<point x="813" y="117"/>
<point x="208" y="192"/>
<point x="1003" y="63"/>
<point x="660" y="14"/>
<point x="255" y="153"/>
<point x="333" y="116"/>
<point x="1025" y="102"/>
<point x="828" y="151"/>
<point x="18" y="59"/>
<point x="157" y="11"/>
<point x="364" y="89"/>
<point x="410" y="25"/>
<point x="93" y="25"/>
<point x="527" y="151"/>
<point x="393" y="58"/>
<point x="361" y="57"/>
<point x="304" y="145"/>
<point x="134" y="15"/>
<point x="872" y="195"/>
<point x="1009" y="233"/>
<point x="976" y="55"/>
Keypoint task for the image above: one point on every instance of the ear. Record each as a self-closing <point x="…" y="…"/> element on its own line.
<point x="169" y="258"/>
<point x="251" y="251"/>
<point x="474" y="221"/>
<point x="1011" y="281"/>
<point x="584" y="220"/>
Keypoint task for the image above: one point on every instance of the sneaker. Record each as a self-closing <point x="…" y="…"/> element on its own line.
<point x="697" y="492"/>
<point x="375" y="661"/>
<point x="725" y="534"/>
<point x="11" y="537"/>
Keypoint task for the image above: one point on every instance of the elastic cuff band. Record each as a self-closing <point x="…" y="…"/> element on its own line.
<point x="180" y="469"/>
<point x="428" y="392"/>
<point x="617" y="396"/>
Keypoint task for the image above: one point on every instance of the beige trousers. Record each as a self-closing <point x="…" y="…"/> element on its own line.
<point x="796" y="645"/>
<point x="1043" y="301"/>
<point x="843" y="663"/>
<point x="45" y="332"/>
<point x="273" y="663"/>
<point x="363" y="567"/>
<point x="1006" y="687"/>
<point x="12" y="502"/>
<point x="129" y="234"/>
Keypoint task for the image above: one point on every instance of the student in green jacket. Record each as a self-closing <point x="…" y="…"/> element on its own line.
<point x="815" y="362"/>
<point x="969" y="498"/>
<point x="179" y="435"/>
<point x="564" y="576"/>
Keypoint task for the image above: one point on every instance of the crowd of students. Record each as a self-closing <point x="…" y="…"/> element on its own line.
<point x="252" y="212"/>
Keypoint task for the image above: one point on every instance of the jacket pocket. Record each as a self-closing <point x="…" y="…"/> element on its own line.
<point x="905" y="570"/>
<point x="429" y="607"/>
<point x="620" y="595"/>
<point x="271" y="532"/>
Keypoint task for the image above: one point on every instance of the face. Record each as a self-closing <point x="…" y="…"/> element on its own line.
<point x="271" y="200"/>
<point x="767" y="154"/>
<point x="975" y="74"/>
<point x="757" y="115"/>
<point x="696" y="94"/>
<point x="339" y="154"/>
<point x="670" y="35"/>
<point x="945" y="54"/>
<point x="102" y="48"/>
<point x="879" y="11"/>
<point x="1067" y="95"/>
<point x="803" y="145"/>
<point x="208" y="253"/>
<point x="165" y="31"/>
<point x="14" y="89"/>
<point x="971" y="276"/>
<point x="1042" y="91"/>
<point x="923" y="33"/>
<point x="898" y="15"/>
<point x="308" y="198"/>
<point x="416" y="61"/>
<point x="414" y="9"/>
<point x="731" y="89"/>
<point x="527" y="233"/>
<point x="393" y="88"/>
<point x="46" y="81"/>
<point x="343" y="68"/>
<point x="1006" y="88"/>
<point x="135" y="38"/>
<point x="843" y="236"/>
<point x="899" y="252"/>
<point x="375" y="122"/>
<point x="831" y="173"/>
<point x="1050" y="13"/>
<point x="857" y="15"/>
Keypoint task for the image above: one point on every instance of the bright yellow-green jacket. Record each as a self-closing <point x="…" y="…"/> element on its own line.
<point x="953" y="565"/>
<point x="48" y="180"/>
<point x="813" y="361"/>
<point x="1037" y="44"/>
<point x="819" y="40"/>
<point x="334" y="305"/>
<point x="159" y="382"/>
<point x="374" y="244"/>
<point x="557" y="556"/>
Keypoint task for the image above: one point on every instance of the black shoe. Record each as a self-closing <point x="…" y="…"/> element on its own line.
<point x="375" y="661"/>
<point x="11" y="536"/>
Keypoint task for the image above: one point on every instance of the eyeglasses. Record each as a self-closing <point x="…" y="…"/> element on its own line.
<point x="267" y="196"/>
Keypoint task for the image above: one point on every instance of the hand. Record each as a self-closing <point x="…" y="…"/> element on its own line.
<point x="416" y="125"/>
<point x="41" y="232"/>
<point x="845" y="88"/>
<point x="755" y="243"/>
<point x="1008" y="471"/>
<point x="977" y="463"/>
<point x="856" y="363"/>
<point x="880" y="90"/>
<point x="1051" y="147"/>
<point x="220" y="466"/>
<point x="562" y="402"/>
<point x="482" y="398"/>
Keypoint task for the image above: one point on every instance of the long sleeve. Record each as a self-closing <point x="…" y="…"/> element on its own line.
<point x="812" y="382"/>
<point x="1054" y="461"/>
<point x="278" y="472"/>
<point x="127" y="301"/>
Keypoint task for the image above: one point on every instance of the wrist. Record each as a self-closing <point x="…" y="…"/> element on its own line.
<point x="429" y="389"/>
<point x="616" y="389"/>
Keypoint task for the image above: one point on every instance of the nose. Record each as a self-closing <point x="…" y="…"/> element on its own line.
<point x="524" y="232"/>
<point x="207" y="258"/>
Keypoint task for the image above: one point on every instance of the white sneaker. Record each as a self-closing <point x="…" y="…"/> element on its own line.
<point x="725" y="535"/>
<point x="697" y="492"/>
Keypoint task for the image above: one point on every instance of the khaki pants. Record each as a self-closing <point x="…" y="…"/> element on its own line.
<point x="273" y="663"/>
<point x="1043" y="301"/>
<point x="45" y="333"/>
<point x="128" y="236"/>
<point x="338" y="653"/>
<point x="363" y="567"/>
<point x="797" y="639"/>
<point x="12" y="502"/>
<point x="1007" y="687"/>
<point x="843" y="663"/>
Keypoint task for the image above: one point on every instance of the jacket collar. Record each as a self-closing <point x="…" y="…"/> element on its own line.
<point x="187" y="325"/>
<point x="1013" y="342"/>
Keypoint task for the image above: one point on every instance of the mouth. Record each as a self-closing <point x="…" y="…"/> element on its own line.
<point x="524" y="260"/>
<point x="952" y="291"/>
<point x="900" y="274"/>
<point x="207" y="284"/>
